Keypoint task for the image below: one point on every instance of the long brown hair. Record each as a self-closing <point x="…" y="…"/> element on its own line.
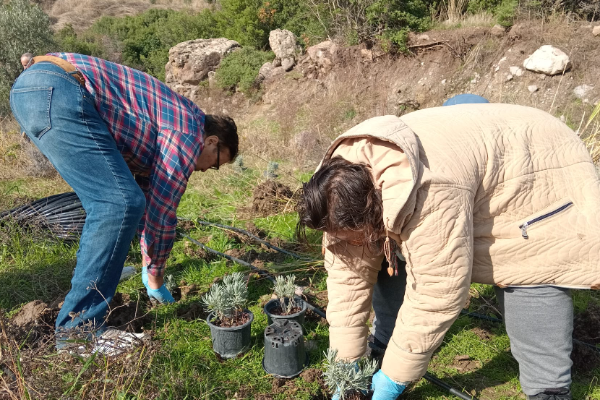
<point x="341" y="196"/>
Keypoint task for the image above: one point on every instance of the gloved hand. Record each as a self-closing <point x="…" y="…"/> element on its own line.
<point x="162" y="294"/>
<point x="384" y="388"/>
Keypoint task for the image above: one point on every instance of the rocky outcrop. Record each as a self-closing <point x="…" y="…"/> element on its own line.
<point x="283" y="44"/>
<point x="548" y="60"/>
<point x="320" y="59"/>
<point x="190" y="63"/>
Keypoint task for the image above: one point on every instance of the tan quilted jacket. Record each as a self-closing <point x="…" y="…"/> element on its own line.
<point x="490" y="193"/>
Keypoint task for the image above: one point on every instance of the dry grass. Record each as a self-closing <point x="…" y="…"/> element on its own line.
<point x="81" y="14"/>
<point x="12" y="156"/>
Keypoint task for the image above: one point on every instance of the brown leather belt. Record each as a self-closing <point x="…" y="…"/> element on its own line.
<point x="67" y="66"/>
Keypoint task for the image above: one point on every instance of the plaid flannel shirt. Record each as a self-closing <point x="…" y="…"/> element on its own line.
<point x="160" y="135"/>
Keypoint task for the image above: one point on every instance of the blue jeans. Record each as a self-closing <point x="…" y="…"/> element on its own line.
<point x="60" y="118"/>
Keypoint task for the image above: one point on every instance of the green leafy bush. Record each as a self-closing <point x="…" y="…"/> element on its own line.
<point x="505" y="12"/>
<point x="69" y="42"/>
<point x="241" y="67"/>
<point x="24" y="27"/>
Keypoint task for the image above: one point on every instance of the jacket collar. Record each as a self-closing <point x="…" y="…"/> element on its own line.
<point x="396" y="208"/>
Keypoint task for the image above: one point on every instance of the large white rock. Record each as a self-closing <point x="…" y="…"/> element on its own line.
<point x="283" y="43"/>
<point x="596" y="30"/>
<point x="190" y="62"/>
<point x="547" y="60"/>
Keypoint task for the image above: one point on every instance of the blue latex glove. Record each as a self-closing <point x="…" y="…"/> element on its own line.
<point x="336" y="395"/>
<point x="384" y="388"/>
<point x="162" y="294"/>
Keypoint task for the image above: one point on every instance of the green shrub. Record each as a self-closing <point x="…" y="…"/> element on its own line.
<point x="477" y="6"/>
<point x="24" y="27"/>
<point x="241" y="67"/>
<point x="505" y="12"/>
<point x="68" y="41"/>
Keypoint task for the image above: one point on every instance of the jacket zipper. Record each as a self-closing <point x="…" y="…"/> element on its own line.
<point x="540" y="218"/>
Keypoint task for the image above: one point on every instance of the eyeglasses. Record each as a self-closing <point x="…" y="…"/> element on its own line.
<point x="216" y="167"/>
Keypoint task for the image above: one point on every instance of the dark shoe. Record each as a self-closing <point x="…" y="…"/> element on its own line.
<point x="552" y="394"/>
<point x="375" y="349"/>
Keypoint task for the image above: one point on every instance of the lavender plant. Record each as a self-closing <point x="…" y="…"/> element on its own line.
<point x="285" y="288"/>
<point x="346" y="376"/>
<point x="227" y="298"/>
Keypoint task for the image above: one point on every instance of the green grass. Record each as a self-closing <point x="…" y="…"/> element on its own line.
<point x="181" y="363"/>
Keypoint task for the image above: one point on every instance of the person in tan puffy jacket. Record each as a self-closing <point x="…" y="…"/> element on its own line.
<point x="498" y="194"/>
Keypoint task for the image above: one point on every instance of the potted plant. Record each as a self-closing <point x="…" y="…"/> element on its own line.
<point x="351" y="379"/>
<point x="285" y="355"/>
<point x="229" y="321"/>
<point x="286" y="305"/>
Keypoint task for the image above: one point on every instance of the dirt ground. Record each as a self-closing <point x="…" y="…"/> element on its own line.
<point x="271" y="198"/>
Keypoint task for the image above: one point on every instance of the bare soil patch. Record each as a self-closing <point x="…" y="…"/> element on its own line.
<point x="270" y="198"/>
<point x="482" y="333"/>
<point x="586" y="329"/>
<point x="464" y="363"/>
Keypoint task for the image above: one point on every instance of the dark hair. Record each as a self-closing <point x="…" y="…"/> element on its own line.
<point x="341" y="195"/>
<point x="225" y="129"/>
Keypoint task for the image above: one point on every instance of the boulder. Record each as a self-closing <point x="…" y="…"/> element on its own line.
<point x="283" y="43"/>
<point x="323" y="54"/>
<point x="516" y="71"/>
<point x="190" y="62"/>
<point x="498" y="30"/>
<point x="548" y="60"/>
<point x="265" y="71"/>
<point x="532" y="88"/>
<point x="596" y="30"/>
<point x="288" y="63"/>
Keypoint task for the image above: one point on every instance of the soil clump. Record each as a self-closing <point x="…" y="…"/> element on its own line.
<point x="270" y="198"/>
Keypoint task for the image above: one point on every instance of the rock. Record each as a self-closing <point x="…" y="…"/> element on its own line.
<point x="532" y="88"/>
<point x="423" y="38"/>
<point x="443" y="81"/>
<point x="582" y="90"/>
<point x="190" y="62"/>
<point x="283" y="43"/>
<point x="265" y="71"/>
<point x="498" y="30"/>
<point x="288" y="63"/>
<point x="212" y="79"/>
<point x="596" y="30"/>
<point x="516" y="71"/>
<point x="548" y="60"/>
<point x="509" y="78"/>
<point x="323" y="54"/>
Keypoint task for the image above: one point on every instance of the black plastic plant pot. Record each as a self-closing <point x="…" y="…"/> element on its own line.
<point x="285" y="355"/>
<point x="298" y="317"/>
<point x="229" y="342"/>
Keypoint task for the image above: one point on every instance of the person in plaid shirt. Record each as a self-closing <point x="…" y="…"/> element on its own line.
<point x="127" y="145"/>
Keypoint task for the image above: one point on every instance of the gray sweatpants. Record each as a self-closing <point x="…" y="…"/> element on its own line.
<point x="539" y="323"/>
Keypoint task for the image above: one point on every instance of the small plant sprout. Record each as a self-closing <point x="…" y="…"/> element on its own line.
<point x="285" y="288"/>
<point x="347" y="376"/>
<point x="238" y="164"/>
<point x="228" y="298"/>
<point x="271" y="172"/>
